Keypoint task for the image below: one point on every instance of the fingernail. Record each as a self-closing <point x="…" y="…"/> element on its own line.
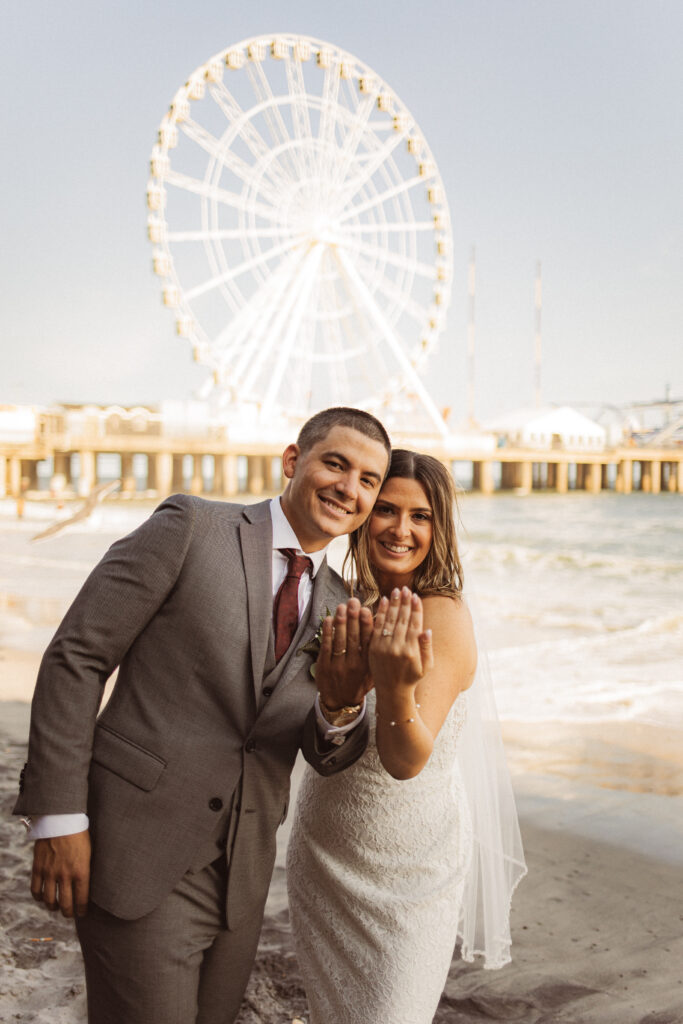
<point x="406" y="591"/>
<point x="395" y="594"/>
<point x="415" y="600"/>
<point x="383" y="602"/>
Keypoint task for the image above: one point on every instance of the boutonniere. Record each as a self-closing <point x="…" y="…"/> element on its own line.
<point x="313" y="645"/>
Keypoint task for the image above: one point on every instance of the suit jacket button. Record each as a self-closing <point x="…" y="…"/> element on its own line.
<point x="250" y="746"/>
<point x="267" y="690"/>
<point x="215" y="803"/>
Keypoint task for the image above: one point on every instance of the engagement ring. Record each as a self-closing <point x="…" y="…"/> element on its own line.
<point x="338" y="654"/>
<point x="387" y="632"/>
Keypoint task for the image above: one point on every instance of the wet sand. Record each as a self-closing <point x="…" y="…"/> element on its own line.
<point x="597" y="924"/>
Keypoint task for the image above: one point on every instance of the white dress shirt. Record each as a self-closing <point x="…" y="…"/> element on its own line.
<point x="46" y="826"/>
<point x="284" y="537"/>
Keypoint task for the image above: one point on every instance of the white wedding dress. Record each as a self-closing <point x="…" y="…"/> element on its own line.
<point x="375" y="870"/>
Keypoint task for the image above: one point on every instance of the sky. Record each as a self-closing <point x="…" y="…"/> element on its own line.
<point x="556" y="127"/>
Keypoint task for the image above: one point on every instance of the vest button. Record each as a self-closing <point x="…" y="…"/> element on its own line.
<point x="215" y="803"/>
<point x="250" y="746"/>
<point x="267" y="690"/>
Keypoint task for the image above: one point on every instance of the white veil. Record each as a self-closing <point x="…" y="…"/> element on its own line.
<point x="497" y="863"/>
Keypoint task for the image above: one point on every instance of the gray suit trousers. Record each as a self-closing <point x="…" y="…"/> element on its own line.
<point x="177" y="965"/>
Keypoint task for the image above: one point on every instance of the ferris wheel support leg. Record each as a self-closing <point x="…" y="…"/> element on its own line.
<point x="260" y="312"/>
<point x="305" y="283"/>
<point x="274" y="326"/>
<point x="354" y="278"/>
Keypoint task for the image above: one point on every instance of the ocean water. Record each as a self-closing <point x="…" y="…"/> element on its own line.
<point x="579" y="598"/>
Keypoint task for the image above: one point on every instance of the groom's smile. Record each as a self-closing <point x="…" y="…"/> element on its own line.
<point x="336" y="508"/>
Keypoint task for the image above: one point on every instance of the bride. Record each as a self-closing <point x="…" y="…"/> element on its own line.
<point x="416" y="844"/>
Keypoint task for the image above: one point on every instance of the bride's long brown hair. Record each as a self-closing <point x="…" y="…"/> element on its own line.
<point x="441" y="571"/>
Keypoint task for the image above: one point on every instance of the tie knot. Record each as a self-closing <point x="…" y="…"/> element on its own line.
<point x="296" y="564"/>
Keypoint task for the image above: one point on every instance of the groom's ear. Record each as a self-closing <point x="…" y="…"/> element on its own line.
<point x="290" y="457"/>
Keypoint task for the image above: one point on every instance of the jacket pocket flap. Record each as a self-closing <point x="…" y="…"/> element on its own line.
<point x="113" y="751"/>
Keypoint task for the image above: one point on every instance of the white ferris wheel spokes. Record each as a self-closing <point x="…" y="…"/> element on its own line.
<point x="300" y="226"/>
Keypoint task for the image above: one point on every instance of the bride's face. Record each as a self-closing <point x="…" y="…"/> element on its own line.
<point x="400" y="530"/>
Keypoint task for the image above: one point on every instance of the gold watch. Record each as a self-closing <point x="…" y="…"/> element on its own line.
<point x="340" y="716"/>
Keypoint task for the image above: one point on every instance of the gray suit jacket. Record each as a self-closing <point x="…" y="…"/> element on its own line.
<point x="201" y="722"/>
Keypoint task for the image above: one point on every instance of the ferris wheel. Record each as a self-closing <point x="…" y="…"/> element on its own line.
<point x="301" y="229"/>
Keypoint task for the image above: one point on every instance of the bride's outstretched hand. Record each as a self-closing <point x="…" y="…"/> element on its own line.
<point x="400" y="650"/>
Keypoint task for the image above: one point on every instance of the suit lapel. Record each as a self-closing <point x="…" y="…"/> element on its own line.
<point x="256" y="538"/>
<point x="323" y="597"/>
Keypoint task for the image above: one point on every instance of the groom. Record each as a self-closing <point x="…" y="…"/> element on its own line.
<point x="159" y="816"/>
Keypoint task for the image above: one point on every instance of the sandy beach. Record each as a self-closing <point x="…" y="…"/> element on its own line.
<point x="597" y="925"/>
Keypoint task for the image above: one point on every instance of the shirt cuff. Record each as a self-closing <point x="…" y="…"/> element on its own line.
<point x="48" y="826"/>
<point x="335" y="733"/>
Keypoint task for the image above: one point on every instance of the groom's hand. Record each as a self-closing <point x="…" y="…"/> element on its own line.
<point x="61" y="873"/>
<point x="342" y="671"/>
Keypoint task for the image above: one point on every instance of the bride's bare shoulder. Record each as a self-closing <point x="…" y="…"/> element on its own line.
<point x="449" y="609"/>
<point x="450" y="621"/>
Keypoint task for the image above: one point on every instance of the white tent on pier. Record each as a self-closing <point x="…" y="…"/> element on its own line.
<point x="548" y="428"/>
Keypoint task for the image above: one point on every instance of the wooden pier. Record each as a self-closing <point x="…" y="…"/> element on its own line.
<point x="621" y="469"/>
<point x="151" y="464"/>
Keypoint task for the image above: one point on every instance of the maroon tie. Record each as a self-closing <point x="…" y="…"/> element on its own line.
<point x="286" y="604"/>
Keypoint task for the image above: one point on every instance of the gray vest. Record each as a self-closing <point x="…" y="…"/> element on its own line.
<point x="220" y="843"/>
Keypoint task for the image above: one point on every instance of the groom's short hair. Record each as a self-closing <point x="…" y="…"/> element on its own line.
<point x="322" y="423"/>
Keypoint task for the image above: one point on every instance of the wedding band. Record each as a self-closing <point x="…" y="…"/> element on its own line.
<point x="387" y="632"/>
<point x="338" y="654"/>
